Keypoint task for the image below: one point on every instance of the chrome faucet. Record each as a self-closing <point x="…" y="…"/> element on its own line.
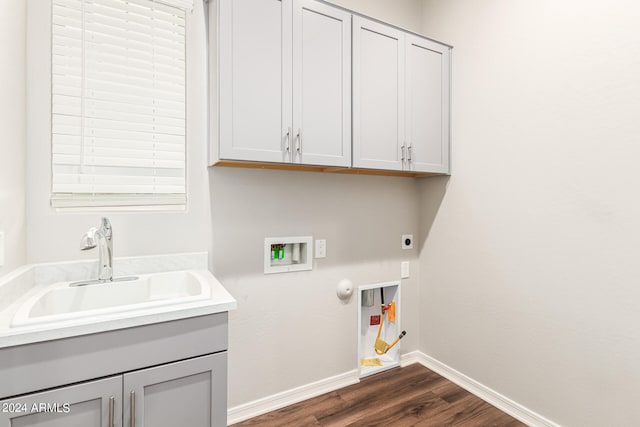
<point x="102" y="237"/>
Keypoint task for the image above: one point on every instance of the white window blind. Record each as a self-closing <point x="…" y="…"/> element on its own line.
<point x="118" y="103"/>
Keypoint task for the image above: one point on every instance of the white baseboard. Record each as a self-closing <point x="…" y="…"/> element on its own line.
<point x="410" y="358"/>
<point x="298" y="394"/>
<point x="289" y="397"/>
<point x="485" y="393"/>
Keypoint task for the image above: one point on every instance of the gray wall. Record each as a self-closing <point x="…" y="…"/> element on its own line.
<point x="12" y="132"/>
<point x="289" y="329"/>
<point x="529" y="273"/>
<point x="528" y="259"/>
<point x="53" y="235"/>
<point x="403" y="13"/>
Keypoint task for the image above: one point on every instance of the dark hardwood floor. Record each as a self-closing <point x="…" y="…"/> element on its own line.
<point x="400" y="397"/>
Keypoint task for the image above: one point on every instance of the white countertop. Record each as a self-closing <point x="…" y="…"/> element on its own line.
<point x="18" y="286"/>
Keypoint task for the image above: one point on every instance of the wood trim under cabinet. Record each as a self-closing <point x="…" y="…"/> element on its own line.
<point x="328" y="169"/>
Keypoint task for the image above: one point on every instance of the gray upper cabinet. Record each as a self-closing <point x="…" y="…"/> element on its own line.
<point x="301" y="82"/>
<point x="400" y="100"/>
<point x="378" y="96"/>
<point x="255" y="79"/>
<point x="427" y="105"/>
<point x="321" y="84"/>
<point x="90" y="404"/>
<point x="284" y="82"/>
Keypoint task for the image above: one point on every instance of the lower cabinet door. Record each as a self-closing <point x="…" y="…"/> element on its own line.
<point x="91" y="404"/>
<point x="190" y="393"/>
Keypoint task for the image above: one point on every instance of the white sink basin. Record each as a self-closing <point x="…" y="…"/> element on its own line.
<point x="61" y="302"/>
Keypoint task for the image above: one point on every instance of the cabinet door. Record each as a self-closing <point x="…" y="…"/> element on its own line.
<point x="189" y="393"/>
<point x="378" y="95"/>
<point x="92" y="404"/>
<point x="321" y="84"/>
<point x="255" y="79"/>
<point x="427" y="105"/>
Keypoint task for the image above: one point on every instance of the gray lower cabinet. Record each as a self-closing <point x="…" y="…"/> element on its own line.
<point x="186" y="393"/>
<point x="90" y="404"/>
<point x="190" y="393"/>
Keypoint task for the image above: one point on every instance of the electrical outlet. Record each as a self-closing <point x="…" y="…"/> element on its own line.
<point x="1" y="248"/>
<point x="407" y="241"/>
<point x="321" y="248"/>
<point x="404" y="270"/>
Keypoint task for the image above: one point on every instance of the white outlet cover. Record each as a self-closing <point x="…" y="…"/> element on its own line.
<point x="404" y="270"/>
<point x="408" y="237"/>
<point x="321" y="248"/>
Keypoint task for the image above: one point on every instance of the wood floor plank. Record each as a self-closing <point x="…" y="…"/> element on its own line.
<point x="262" y="421"/>
<point x="488" y="417"/>
<point x="374" y="388"/>
<point x="377" y="397"/>
<point x="413" y="396"/>
<point x="381" y="408"/>
<point x="450" y="392"/>
<point x="404" y="414"/>
<point x="455" y="413"/>
<point x="298" y="414"/>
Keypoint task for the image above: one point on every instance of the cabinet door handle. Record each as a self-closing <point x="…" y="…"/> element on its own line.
<point x="287" y="146"/>
<point x="299" y="145"/>
<point x="409" y="152"/>
<point x="132" y="409"/>
<point x="112" y="402"/>
<point x="402" y="148"/>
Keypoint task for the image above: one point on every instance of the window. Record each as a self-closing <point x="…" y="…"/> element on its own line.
<point x="118" y="103"/>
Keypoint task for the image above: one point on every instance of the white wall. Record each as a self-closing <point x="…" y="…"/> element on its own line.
<point x="530" y="272"/>
<point x="54" y="236"/>
<point x="12" y="132"/>
<point x="528" y="253"/>
<point x="289" y="329"/>
<point x="403" y="13"/>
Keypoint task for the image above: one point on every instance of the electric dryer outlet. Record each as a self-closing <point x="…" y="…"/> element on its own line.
<point x="407" y="241"/>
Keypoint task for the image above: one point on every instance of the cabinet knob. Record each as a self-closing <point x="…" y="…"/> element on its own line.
<point x="299" y="139"/>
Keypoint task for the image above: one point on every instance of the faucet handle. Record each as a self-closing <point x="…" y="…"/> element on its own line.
<point x="88" y="240"/>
